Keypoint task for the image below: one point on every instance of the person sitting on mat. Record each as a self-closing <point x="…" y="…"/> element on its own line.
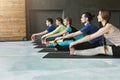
<point x="66" y="42"/>
<point x="87" y="29"/>
<point x="60" y="28"/>
<point x="109" y="31"/>
<point x="51" y="27"/>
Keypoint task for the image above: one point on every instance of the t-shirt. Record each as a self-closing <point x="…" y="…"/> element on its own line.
<point x="69" y="29"/>
<point x="90" y="29"/>
<point x="57" y="30"/>
<point x="51" y="28"/>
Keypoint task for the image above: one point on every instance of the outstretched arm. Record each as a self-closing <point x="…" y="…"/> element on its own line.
<point x="58" y="34"/>
<point x="72" y="34"/>
<point x="41" y="33"/>
<point x="51" y="33"/>
<point x="69" y="35"/>
<point x="99" y="33"/>
<point x="44" y="32"/>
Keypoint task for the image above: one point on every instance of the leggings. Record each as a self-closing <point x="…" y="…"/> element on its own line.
<point x="81" y="46"/>
<point x="86" y="45"/>
<point x="116" y="50"/>
<point x="112" y="50"/>
<point x="62" y="46"/>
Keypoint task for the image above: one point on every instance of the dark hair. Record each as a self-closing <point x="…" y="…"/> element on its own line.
<point x="60" y="20"/>
<point x="50" y="20"/>
<point x="89" y="16"/>
<point x="105" y="14"/>
<point x="69" y="19"/>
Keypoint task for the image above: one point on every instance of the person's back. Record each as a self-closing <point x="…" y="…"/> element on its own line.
<point x="50" y="28"/>
<point x="72" y="29"/>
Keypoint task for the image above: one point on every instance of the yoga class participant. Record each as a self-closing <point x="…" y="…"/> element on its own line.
<point x="87" y="29"/>
<point x="109" y="31"/>
<point x="50" y="28"/>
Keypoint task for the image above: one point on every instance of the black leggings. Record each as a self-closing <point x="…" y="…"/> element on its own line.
<point x="116" y="50"/>
<point x="62" y="48"/>
<point x="81" y="46"/>
<point x="86" y="45"/>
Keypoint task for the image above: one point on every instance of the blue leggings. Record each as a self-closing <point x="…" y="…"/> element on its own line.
<point x="62" y="43"/>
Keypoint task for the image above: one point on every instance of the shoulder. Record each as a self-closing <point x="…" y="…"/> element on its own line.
<point x="52" y="26"/>
<point x="62" y="26"/>
<point x="90" y="25"/>
<point x="109" y="26"/>
<point x="68" y="27"/>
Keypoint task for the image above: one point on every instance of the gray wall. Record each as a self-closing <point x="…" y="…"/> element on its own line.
<point x="38" y="10"/>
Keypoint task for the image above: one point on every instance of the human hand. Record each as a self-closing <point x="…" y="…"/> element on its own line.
<point x="58" y="38"/>
<point x="33" y="37"/>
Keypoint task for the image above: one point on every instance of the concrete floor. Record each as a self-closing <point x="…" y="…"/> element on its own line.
<point x="20" y="61"/>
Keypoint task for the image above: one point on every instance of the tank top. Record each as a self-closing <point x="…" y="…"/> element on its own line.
<point x="113" y="36"/>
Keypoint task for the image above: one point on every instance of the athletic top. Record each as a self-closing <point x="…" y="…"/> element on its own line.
<point x="90" y="29"/>
<point x="71" y="30"/>
<point x="51" y="28"/>
<point x="57" y="30"/>
<point x="113" y="36"/>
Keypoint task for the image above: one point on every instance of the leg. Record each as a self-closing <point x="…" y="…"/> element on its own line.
<point x="72" y="50"/>
<point x="86" y="45"/>
<point x="93" y="51"/>
<point x="81" y="46"/>
<point x="43" y="40"/>
<point x="116" y="50"/>
<point x="33" y="38"/>
<point x="49" y="40"/>
<point x="63" y="45"/>
<point x="62" y="48"/>
<point x="51" y="44"/>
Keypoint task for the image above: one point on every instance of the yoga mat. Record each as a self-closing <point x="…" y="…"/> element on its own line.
<point x="50" y="50"/>
<point x="37" y="43"/>
<point x="40" y="46"/>
<point x="67" y="55"/>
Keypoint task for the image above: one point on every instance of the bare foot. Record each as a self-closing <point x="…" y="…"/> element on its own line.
<point x="47" y="44"/>
<point x="55" y="49"/>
